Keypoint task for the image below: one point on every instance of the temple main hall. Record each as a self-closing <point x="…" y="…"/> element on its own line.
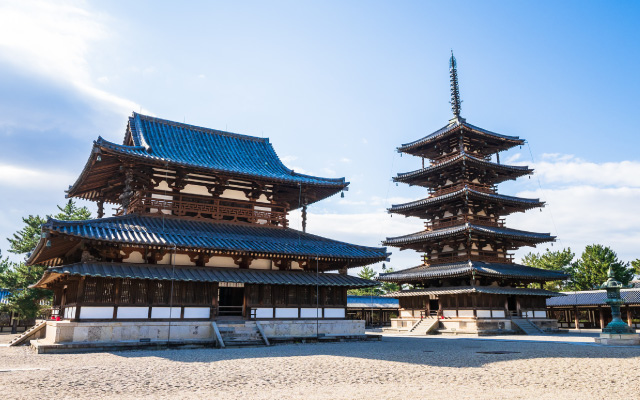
<point x="200" y="237"/>
<point x="468" y="281"/>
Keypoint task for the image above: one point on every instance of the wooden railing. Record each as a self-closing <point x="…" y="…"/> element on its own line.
<point x="460" y="186"/>
<point x="486" y="256"/>
<point x="195" y="206"/>
<point x="461" y="219"/>
<point x="448" y="157"/>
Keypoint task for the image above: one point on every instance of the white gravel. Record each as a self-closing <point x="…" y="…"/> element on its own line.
<point x="395" y="368"/>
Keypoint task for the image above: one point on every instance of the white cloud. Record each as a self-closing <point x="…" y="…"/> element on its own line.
<point x="345" y="160"/>
<point x="579" y="214"/>
<point x="53" y="39"/>
<point x="570" y="170"/>
<point x="20" y="177"/>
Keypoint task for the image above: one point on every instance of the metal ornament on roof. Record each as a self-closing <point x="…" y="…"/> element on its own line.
<point x="455" y="89"/>
<point x="617" y="325"/>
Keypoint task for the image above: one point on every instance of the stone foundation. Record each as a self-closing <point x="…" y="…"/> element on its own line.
<point x="612" y="339"/>
<point x="476" y="326"/>
<point x="60" y="332"/>
<point x="338" y="327"/>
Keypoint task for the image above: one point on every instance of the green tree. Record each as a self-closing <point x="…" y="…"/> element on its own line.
<point x="17" y="277"/>
<point x="551" y="260"/>
<point x="388" y="287"/>
<point x="636" y="266"/>
<point x="71" y="212"/>
<point x="590" y="270"/>
<point x="366" y="273"/>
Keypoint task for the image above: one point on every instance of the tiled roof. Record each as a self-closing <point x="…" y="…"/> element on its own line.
<point x="467" y="268"/>
<point x="141" y="230"/>
<point x="519" y="170"/>
<point x="4" y="294"/>
<point x="372" y="302"/>
<point x="459" y="193"/>
<point x="203" y="274"/>
<point x="474" y="289"/>
<point x="593" y="298"/>
<point x="180" y="144"/>
<point x="450" y="128"/>
<point x="479" y="230"/>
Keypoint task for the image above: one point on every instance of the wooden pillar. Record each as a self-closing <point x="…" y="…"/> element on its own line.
<point x="79" y="298"/>
<point x="576" y="318"/>
<point x="601" y="317"/>
<point x="304" y="218"/>
<point x="629" y="319"/>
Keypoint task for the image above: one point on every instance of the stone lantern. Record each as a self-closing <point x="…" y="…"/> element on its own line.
<point x="617" y="332"/>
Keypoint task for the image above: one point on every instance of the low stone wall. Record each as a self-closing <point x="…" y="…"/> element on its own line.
<point x="546" y="325"/>
<point x="86" y="332"/>
<point x="309" y="328"/>
<point x="60" y="332"/>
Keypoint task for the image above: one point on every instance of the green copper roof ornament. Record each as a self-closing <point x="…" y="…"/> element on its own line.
<point x="456" y="103"/>
<point x="617" y="325"/>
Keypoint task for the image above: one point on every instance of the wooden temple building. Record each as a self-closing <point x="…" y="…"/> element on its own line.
<point x="200" y="234"/>
<point x="468" y="281"/>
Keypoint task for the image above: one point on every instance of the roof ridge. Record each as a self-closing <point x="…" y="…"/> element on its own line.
<point x="200" y="128"/>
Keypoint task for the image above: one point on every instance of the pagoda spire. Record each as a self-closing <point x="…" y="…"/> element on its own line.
<point x="455" y="89"/>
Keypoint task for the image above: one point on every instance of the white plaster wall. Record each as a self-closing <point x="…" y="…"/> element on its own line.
<point x="70" y="312"/>
<point x="334" y="312"/>
<point x="498" y="313"/>
<point x="541" y="314"/>
<point x="406" y="313"/>
<point x="166" y="259"/>
<point x="196" y="189"/>
<point x="96" y="312"/>
<point x="135" y="258"/>
<point x="233" y="194"/>
<point x="311" y="313"/>
<point x="483" y="313"/>
<point x="182" y="259"/>
<point x="449" y="313"/>
<point x="224" y="262"/>
<point x="163" y="312"/>
<point x="261" y="263"/>
<point x="197" y="312"/>
<point x="263" y="199"/>
<point x="295" y="265"/>
<point x="286" y="313"/>
<point x="133" y="312"/>
<point x="264" y="312"/>
<point x="465" y="313"/>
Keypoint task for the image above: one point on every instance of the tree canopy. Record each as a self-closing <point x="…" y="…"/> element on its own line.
<point x="17" y="277"/>
<point x="551" y="260"/>
<point x="590" y="270"/>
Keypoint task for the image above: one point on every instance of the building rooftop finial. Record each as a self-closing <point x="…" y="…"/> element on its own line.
<point x="455" y="89"/>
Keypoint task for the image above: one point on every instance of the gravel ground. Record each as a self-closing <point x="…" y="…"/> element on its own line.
<point x="395" y="368"/>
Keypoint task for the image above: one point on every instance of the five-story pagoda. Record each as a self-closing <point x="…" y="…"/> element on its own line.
<point x="468" y="281"/>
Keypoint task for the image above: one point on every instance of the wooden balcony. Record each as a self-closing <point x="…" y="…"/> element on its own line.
<point x="194" y="206"/>
<point x="461" y="219"/>
<point x="459" y="186"/>
<point x="455" y="154"/>
<point x="486" y="256"/>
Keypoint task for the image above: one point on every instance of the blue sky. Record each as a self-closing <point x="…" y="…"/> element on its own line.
<point x="336" y="86"/>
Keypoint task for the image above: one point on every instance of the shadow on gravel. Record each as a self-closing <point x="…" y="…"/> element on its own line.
<point x="432" y="351"/>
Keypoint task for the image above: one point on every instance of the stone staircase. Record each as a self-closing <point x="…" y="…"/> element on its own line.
<point x="528" y="327"/>
<point x="28" y="334"/>
<point x="424" y="326"/>
<point x="241" y="333"/>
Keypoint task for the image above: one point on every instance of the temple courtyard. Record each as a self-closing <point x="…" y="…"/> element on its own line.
<point x="567" y="366"/>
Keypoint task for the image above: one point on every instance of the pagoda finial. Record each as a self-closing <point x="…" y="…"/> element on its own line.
<point x="455" y="90"/>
